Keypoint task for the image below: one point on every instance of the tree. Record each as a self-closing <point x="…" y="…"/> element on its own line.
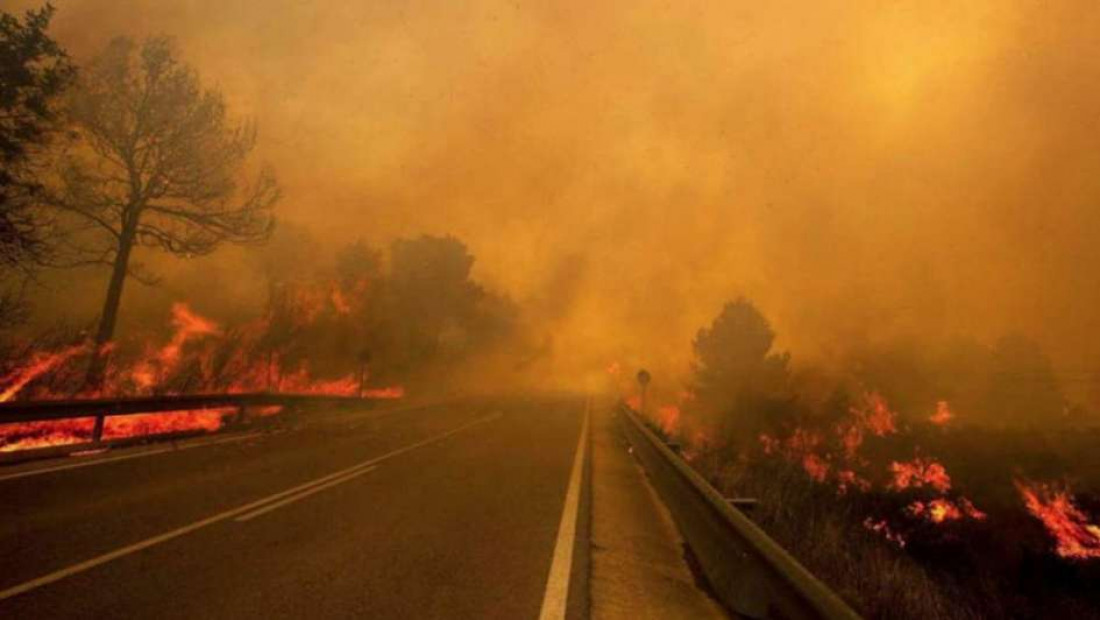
<point x="34" y="71"/>
<point x="358" y="264"/>
<point x="429" y="294"/>
<point x="737" y="376"/>
<point x="158" y="165"/>
<point x="433" y="311"/>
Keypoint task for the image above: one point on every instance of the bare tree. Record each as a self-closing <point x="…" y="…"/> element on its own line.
<point x="158" y="164"/>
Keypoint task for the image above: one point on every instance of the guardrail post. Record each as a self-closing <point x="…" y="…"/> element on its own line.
<point x="97" y="430"/>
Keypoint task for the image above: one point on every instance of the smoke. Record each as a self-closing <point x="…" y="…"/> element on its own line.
<point x="862" y="170"/>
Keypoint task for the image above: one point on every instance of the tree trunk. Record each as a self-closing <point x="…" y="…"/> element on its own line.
<point x="97" y="369"/>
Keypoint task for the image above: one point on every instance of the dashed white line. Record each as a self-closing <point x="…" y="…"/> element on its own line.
<point x="304" y="494"/>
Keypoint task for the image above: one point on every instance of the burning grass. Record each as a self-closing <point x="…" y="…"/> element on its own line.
<point x="979" y="497"/>
<point x="199" y="356"/>
<point x="918" y="521"/>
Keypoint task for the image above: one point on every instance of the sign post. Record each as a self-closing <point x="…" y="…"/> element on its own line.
<point x="643" y="380"/>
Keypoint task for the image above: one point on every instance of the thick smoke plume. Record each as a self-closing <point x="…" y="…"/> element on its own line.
<point x="863" y="171"/>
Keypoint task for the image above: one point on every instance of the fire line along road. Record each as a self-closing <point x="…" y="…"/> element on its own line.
<point x="437" y="511"/>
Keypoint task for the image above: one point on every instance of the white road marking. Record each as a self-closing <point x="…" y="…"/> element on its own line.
<point x="69" y="571"/>
<point x="124" y="457"/>
<point x="557" y="584"/>
<point x="304" y="494"/>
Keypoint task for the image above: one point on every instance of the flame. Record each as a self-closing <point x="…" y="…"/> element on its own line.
<point x="871" y="415"/>
<point x="941" y="509"/>
<point x="668" y="418"/>
<point x="30" y="435"/>
<point x="847" y="479"/>
<point x="340" y="301"/>
<point x="942" y="415"/>
<point x="817" y="468"/>
<point x="1075" y="535"/>
<point x="149" y="372"/>
<point x="142" y="424"/>
<point x="920" y="473"/>
<point x="39" y="364"/>
<point x="252" y="371"/>
<point x="393" y="392"/>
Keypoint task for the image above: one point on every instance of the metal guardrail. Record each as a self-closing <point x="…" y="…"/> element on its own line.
<point x="748" y="571"/>
<point x="37" y="411"/>
<point x="101" y="408"/>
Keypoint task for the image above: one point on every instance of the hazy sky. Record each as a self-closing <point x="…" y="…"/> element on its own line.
<point x="860" y="169"/>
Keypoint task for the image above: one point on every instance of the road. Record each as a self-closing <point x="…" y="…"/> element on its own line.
<point x="445" y="511"/>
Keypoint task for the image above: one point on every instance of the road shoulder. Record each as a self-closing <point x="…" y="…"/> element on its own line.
<point x="638" y="569"/>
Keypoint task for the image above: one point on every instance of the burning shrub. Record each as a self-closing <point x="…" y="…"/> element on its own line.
<point x="917" y="513"/>
<point x="323" y="331"/>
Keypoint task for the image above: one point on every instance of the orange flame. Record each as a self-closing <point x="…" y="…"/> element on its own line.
<point x="668" y="418"/>
<point x="206" y="420"/>
<point x="188" y="326"/>
<point x="393" y="392"/>
<point x="920" y="473"/>
<point x="1075" y="535"/>
<point x="873" y="416"/>
<point x="817" y="468"/>
<point x="340" y="302"/>
<point x="158" y="365"/>
<point x="39" y="364"/>
<point x="30" y="435"/>
<point x="942" y="415"/>
<point x="941" y="509"/>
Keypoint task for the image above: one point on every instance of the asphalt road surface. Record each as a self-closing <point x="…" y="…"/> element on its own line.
<point x="446" y="511"/>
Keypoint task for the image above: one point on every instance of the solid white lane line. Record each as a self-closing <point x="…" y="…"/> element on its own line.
<point x="124" y="457"/>
<point x="304" y="494"/>
<point x="69" y="571"/>
<point x="557" y="584"/>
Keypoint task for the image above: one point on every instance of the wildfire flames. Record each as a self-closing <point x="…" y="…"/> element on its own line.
<point x="835" y="456"/>
<point x="40" y="364"/>
<point x="942" y="415"/>
<point x="191" y="351"/>
<point x="668" y="417"/>
<point x="149" y="372"/>
<point x="920" y="473"/>
<point x="1075" y="536"/>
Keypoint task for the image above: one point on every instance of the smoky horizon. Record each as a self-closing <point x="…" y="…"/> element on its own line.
<point x="863" y="175"/>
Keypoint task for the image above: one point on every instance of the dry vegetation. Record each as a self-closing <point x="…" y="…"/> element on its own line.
<point x="914" y="512"/>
